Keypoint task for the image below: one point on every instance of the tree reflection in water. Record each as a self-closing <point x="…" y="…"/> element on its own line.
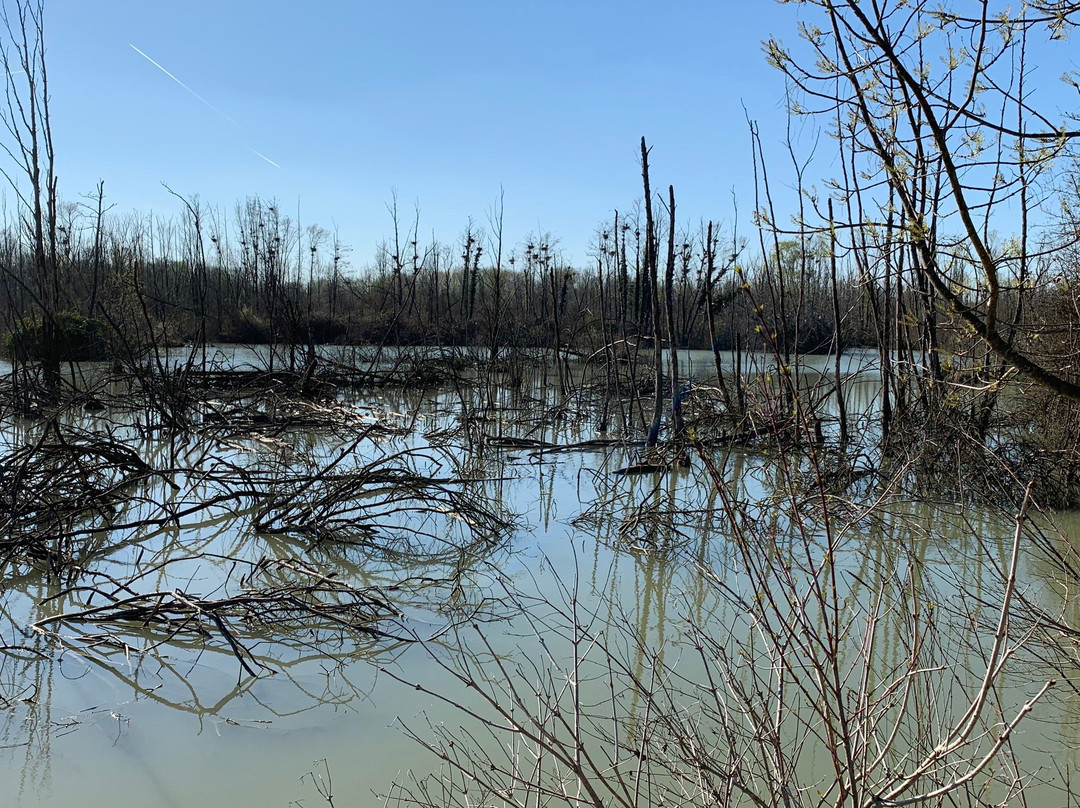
<point x="763" y="625"/>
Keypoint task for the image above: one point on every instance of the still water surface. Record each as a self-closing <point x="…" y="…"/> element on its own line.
<point x="185" y="726"/>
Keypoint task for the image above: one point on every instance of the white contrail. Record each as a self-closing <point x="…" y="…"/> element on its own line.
<point x="211" y="106"/>
<point x="174" y="78"/>
<point x="263" y="156"/>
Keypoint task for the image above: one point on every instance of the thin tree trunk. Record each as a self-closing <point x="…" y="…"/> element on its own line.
<point x="838" y="345"/>
<point x="651" y="282"/>
<point x="669" y="306"/>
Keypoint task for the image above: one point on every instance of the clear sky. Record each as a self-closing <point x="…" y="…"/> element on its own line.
<point x="445" y="103"/>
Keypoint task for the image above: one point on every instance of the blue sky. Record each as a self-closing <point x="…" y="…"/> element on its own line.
<point x="446" y="103"/>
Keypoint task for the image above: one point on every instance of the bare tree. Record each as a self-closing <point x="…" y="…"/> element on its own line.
<point x="940" y="111"/>
<point x="31" y="174"/>
<point x="807" y="670"/>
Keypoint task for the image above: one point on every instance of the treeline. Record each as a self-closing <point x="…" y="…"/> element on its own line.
<point x="255" y="277"/>
<point x="117" y="286"/>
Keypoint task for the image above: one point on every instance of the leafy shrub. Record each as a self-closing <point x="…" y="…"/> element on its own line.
<point x="77" y="338"/>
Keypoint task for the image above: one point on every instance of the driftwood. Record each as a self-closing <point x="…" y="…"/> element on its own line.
<point x="61" y="480"/>
<point x="283" y="596"/>
<point x="503" y="442"/>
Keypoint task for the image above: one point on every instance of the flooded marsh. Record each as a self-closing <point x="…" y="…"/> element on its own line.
<point x="774" y="508"/>
<point x="455" y="592"/>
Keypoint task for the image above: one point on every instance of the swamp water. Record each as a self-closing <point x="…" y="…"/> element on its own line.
<point x="474" y="530"/>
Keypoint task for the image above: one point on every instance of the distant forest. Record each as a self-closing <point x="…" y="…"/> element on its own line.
<point x="115" y="287"/>
<point x="253" y="276"/>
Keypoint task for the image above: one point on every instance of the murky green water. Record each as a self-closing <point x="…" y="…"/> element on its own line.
<point x="173" y="718"/>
